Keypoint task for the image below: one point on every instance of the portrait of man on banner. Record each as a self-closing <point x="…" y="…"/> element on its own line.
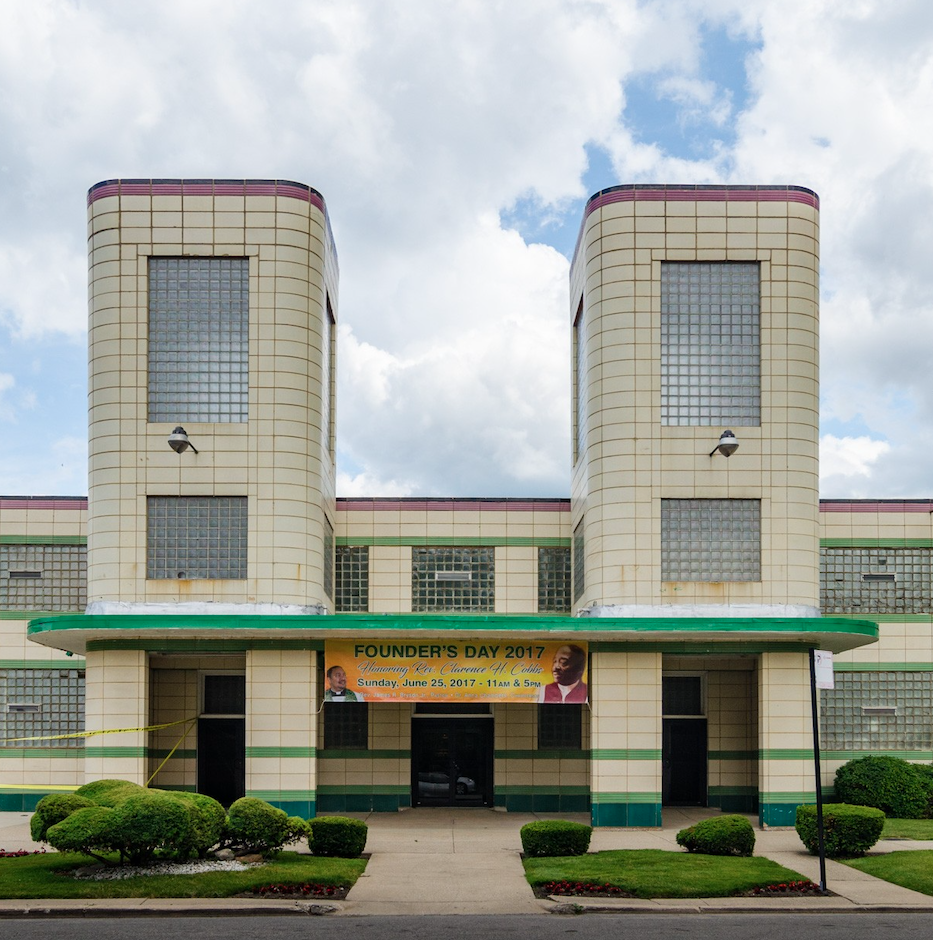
<point x="568" y="669"/>
<point x="337" y="690"/>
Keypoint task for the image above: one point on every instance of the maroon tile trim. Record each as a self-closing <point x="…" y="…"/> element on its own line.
<point x="440" y="504"/>
<point x="876" y="505"/>
<point x="285" y="188"/>
<point x="43" y="502"/>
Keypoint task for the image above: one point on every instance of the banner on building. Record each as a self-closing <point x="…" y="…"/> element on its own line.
<point x="455" y="671"/>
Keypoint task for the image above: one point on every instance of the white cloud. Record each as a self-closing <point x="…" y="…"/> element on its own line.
<point x="849" y="456"/>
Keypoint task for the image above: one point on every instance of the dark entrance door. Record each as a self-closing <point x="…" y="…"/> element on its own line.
<point x="451" y="762"/>
<point x="222" y="758"/>
<point x="683" y="762"/>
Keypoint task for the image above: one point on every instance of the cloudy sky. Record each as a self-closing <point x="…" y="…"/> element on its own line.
<point x="456" y="142"/>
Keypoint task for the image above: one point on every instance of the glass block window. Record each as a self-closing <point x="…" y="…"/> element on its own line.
<point x="346" y="725"/>
<point x="453" y="580"/>
<point x="196" y="537"/>
<point x="224" y="695"/>
<point x="328" y="558"/>
<point x="876" y="580"/>
<point x="579" y="384"/>
<point x="43" y="577"/>
<point x="579" y="555"/>
<point x="42" y="702"/>
<point x="328" y="357"/>
<point x="710" y="343"/>
<point x="877" y="711"/>
<point x="198" y="339"/>
<point x="352" y="578"/>
<point x="554" y="580"/>
<point x="560" y="726"/>
<point x="710" y="540"/>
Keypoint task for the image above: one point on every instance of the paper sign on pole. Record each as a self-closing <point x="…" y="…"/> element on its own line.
<point x="823" y="661"/>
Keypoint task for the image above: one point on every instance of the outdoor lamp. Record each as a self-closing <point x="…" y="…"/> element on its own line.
<point x="178" y="441"/>
<point x="727" y="445"/>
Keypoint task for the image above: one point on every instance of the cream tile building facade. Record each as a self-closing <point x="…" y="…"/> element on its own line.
<point x="177" y="627"/>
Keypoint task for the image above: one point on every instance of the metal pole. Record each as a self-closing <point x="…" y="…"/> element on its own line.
<point x="816" y="767"/>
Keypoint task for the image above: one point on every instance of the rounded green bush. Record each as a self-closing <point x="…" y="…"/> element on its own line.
<point x="848" y="831"/>
<point x="720" y="835"/>
<point x="87" y="830"/>
<point x="52" y="809"/>
<point x="257" y="826"/>
<point x="109" y="792"/>
<point x="208" y="822"/>
<point x="337" y="836"/>
<point x="896" y="787"/>
<point x="549" y="838"/>
<point x="150" y="821"/>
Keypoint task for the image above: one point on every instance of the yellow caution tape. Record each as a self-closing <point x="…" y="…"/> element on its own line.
<point x="91" y="734"/>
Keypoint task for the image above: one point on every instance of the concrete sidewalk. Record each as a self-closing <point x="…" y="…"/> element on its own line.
<point x="467" y="861"/>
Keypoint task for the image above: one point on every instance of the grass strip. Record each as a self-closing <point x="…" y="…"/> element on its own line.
<point x="47" y="876"/>
<point x="656" y="873"/>
<point x="908" y="869"/>
<point x="921" y="829"/>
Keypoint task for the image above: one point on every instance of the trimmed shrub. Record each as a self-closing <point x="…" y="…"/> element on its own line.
<point x="87" y="830"/>
<point x="848" y="831"/>
<point x="150" y="821"/>
<point x="52" y="809"/>
<point x="109" y="792"/>
<point x="720" y="835"/>
<point x="553" y="837"/>
<point x="337" y="836"/>
<point x="896" y="787"/>
<point x="207" y="822"/>
<point x="257" y="826"/>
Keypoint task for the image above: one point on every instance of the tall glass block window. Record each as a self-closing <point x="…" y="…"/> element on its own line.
<point x="328" y="558"/>
<point x="193" y="537"/>
<point x="711" y="343"/>
<point x="198" y="339"/>
<point x="43" y="577"/>
<point x="41" y="703"/>
<point x="328" y="357"/>
<point x="878" y="711"/>
<point x="579" y="558"/>
<point x="453" y="580"/>
<point x="710" y="540"/>
<point x="579" y="383"/>
<point x="876" y="580"/>
<point x="554" y="580"/>
<point x="352" y="578"/>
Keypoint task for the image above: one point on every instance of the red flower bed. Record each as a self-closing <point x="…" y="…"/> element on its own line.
<point x="787" y="887"/>
<point x="334" y="892"/>
<point x="20" y="853"/>
<point x="583" y="889"/>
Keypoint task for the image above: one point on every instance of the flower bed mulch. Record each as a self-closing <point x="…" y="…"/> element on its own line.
<point x="297" y="892"/>
<point x="581" y="889"/>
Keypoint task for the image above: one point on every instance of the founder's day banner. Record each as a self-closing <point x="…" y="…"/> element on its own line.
<point x="455" y="671"/>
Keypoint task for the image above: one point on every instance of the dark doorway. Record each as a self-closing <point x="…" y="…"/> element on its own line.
<point x="451" y="761"/>
<point x="222" y="758"/>
<point x="683" y="762"/>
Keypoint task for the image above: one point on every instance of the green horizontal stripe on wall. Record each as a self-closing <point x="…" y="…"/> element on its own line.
<point x="882" y="667"/>
<point x="539" y="791"/>
<point x="733" y="791"/>
<point x="76" y="663"/>
<point x="697" y="647"/>
<point x="886" y="618"/>
<point x="268" y="795"/>
<point x="53" y="753"/>
<point x="33" y="614"/>
<point x="803" y="796"/>
<point x="356" y="754"/>
<point x="625" y="753"/>
<point x="160" y="753"/>
<point x="549" y="754"/>
<point x="733" y="755"/>
<point x="427" y="541"/>
<point x="156" y="645"/>
<point x="617" y="797"/>
<point x="785" y="753"/>
<point x="115" y="751"/>
<point x="280" y="751"/>
<point x="363" y="790"/>
<point x="876" y="543"/>
<point x="855" y="755"/>
<point x="43" y="540"/>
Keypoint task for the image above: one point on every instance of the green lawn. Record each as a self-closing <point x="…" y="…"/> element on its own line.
<point x="912" y="870"/>
<point x="655" y="873"/>
<point x="908" y="829"/>
<point x="45" y="876"/>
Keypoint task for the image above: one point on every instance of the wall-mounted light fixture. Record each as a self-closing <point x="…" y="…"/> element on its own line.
<point x="178" y="441"/>
<point x="727" y="445"/>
